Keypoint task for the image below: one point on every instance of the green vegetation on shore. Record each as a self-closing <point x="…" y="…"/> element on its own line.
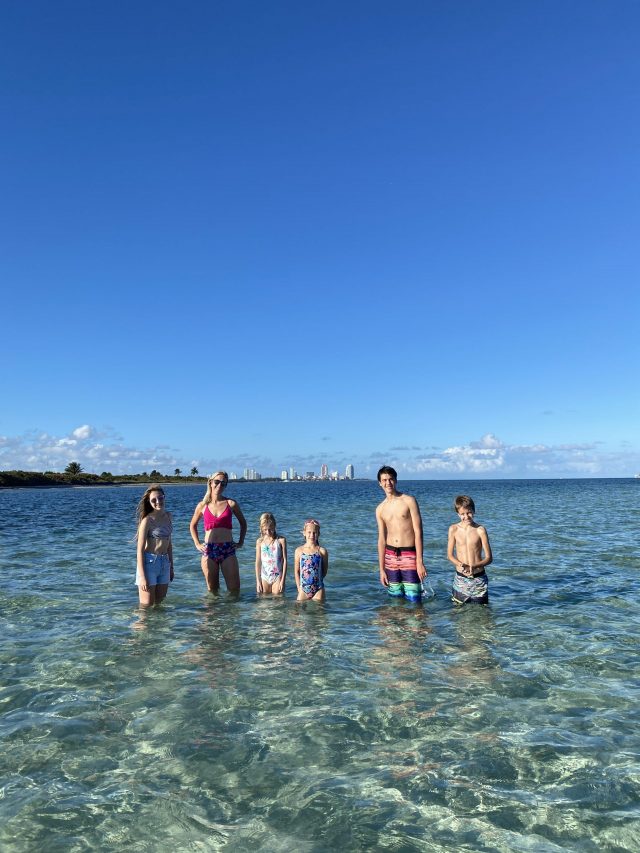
<point x="38" y="479"/>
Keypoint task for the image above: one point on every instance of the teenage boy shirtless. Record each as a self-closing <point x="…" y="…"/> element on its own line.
<point x="399" y="539"/>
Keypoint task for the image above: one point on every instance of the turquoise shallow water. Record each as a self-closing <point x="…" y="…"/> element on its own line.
<point x="367" y="724"/>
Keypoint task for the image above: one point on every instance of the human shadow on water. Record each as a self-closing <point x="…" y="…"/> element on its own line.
<point x="474" y="662"/>
<point x="403" y="630"/>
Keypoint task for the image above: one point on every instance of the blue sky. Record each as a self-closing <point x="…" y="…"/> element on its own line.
<point x="270" y="234"/>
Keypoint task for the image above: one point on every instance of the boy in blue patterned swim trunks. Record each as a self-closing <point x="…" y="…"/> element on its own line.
<point x="468" y="542"/>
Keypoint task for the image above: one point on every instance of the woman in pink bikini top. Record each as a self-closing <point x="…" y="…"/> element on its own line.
<point x="218" y="549"/>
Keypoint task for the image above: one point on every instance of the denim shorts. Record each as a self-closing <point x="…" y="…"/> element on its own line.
<point x="157" y="568"/>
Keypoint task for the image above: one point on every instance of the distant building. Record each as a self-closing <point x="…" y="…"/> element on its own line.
<point x="310" y="475"/>
<point x="233" y="476"/>
<point x="292" y="473"/>
<point x="324" y="472"/>
<point x="334" y="475"/>
<point x="284" y="475"/>
<point x="349" y="472"/>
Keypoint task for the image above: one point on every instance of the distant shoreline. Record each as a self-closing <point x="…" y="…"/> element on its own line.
<point x="41" y="480"/>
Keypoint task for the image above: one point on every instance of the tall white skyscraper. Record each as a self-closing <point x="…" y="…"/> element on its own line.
<point x="349" y="475"/>
<point x="284" y="475"/>
<point x="324" y="472"/>
<point x="292" y="473"/>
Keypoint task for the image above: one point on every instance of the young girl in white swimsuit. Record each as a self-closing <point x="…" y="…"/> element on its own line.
<point x="271" y="557"/>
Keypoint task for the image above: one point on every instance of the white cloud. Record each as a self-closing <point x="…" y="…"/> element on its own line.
<point x="83" y="432"/>
<point x="96" y="452"/>
<point x="489" y="456"/>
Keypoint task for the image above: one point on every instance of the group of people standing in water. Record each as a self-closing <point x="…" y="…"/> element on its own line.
<point x="400" y="547"/>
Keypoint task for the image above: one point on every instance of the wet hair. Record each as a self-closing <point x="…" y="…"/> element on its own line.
<point x="267" y="519"/>
<point x="464" y="501"/>
<point x="144" y="507"/>
<point x="314" y="523"/>
<point x="387" y="469"/>
<point x="207" y="494"/>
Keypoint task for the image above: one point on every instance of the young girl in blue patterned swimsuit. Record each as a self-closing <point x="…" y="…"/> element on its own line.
<point x="311" y="564"/>
<point x="271" y="557"/>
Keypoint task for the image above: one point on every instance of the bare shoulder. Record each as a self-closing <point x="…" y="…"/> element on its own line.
<point x="232" y="504"/>
<point x="379" y="507"/>
<point x="323" y="551"/>
<point x="453" y="527"/>
<point x="282" y="540"/>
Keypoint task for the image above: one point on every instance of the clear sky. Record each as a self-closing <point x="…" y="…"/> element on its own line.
<point x="283" y="233"/>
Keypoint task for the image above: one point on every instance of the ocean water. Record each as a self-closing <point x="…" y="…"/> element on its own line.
<point x="215" y="723"/>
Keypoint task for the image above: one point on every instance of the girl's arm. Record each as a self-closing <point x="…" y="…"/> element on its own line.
<point x="235" y="509"/>
<point x="142" y="538"/>
<point x="258" y="565"/>
<point x="193" y="527"/>
<point x="279" y="585"/>
<point x="170" y="552"/>
<point x="296" y="567"/>
<point x="325" y="561"/>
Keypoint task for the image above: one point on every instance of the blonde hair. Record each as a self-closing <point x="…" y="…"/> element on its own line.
<point x="207" y="495"/>
<point x="268" y="519"/>
<point x="314" y="523"/>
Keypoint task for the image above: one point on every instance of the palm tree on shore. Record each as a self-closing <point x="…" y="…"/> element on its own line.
<point x="73" y="468"/>
<point x="177" y="472"/>
<point x="194" y="471"/>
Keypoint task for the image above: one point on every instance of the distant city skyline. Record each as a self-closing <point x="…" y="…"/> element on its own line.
<point x="275" y="235"/>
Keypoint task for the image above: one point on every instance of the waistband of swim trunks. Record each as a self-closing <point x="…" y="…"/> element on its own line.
<point x="401" y="549"/>
<point x="482" y="574"/>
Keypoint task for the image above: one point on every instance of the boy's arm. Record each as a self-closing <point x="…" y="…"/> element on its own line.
<point x="416" y="520"/>
<point x="486" y="547"/>
<point x="451" y="548"/>
<point x="382" y="540"/>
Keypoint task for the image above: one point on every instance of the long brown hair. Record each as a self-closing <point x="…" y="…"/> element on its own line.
<point x="144" y="507"/>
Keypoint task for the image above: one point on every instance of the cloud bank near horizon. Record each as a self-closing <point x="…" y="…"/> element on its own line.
<point x="487" y="457"/>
